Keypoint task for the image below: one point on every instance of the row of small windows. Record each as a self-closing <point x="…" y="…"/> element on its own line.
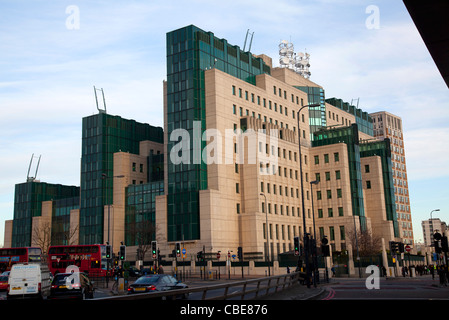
<point x="293" y="231"/>
<point x="265" y="118"/>
<point x="326" y="158"/>
<point x="344" y="121"/>
<point x="280" y="231"/>
<point x="263" y="101"/>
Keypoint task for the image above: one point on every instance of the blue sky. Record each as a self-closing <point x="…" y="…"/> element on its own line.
<point x="48" y="70"/>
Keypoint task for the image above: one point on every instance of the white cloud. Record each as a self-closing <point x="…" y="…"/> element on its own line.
<point x="426" y="153"/>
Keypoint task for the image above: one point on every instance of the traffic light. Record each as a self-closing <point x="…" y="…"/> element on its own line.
<point x="393" y="247"/>
<point x="325" y="251"/>
<point x="199" y="256"/>
<point x="122" y="252"/>
<point x="108" y="251"/>
<point x="444" y="244"/>
<point x="296" y="244"/>
<point x="178" y="249"/>
<point x="240" y="253"/>
<point x="436" y="241"/>
<point x="154" y="249"/>
<point x="400" y="247"/>
<point x="436" y="244"/>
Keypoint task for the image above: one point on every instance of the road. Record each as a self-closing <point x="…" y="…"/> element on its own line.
<point x="417" y="288"/>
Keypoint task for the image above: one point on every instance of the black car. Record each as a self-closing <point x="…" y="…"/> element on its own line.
<point x="155" y="283"/>
<point x="75" y="285"/>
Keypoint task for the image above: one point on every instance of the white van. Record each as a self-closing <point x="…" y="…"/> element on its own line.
<point x="28" y="280"/>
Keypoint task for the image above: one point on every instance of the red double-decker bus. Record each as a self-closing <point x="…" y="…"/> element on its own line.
<point x="10" y="256"/>
<point x="90" y="259"/>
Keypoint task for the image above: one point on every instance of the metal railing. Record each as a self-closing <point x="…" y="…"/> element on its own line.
<point x="247" y="289"/>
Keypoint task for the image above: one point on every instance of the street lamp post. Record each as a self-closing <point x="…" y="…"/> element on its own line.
<point x="432" y="212"/>
<point x="305" y="242"/>
<point x="431" y="224"/>
<point x="316" y="275"/>
<point x="266" y="229"/>
<point x="104" y="176"/>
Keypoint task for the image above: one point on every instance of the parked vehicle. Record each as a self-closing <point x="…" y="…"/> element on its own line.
<point x="28" y="280"/>
<point x="3" y="283"/>
<point x="75" y="285"/>
<point x="156" y="282"/>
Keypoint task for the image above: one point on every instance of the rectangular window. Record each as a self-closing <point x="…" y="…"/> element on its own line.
<point x="329" y="194"/>
<point x="330" y="212"/>
<point x="331" y="233"/>
<point x="338" y="193"/>
<point x="317" y="160"/>
<point x="340" y="211"/>
<point x="337" y="175"/>
<point x="336" y="157"/>
<point x="368" y="184"/>
<point x="326" y="158"/>
<point x="342" y="233"/>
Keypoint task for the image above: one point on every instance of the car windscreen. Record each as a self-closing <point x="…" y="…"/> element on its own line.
<point x="147" y="280"/>
<point x="64" y="279"/>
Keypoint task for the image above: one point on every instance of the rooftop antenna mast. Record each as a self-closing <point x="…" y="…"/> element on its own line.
<point x="251" y="41"/>
<point x="96" y="100"/>
<point x="29" y="179"/>
<point x="358" y="99"/>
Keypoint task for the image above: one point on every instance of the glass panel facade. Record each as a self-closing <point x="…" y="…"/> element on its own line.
<point x="190" y="51"/>
<point x="362" y="118"/>
<point x="140" y="214"/>
<point x="317" y="115"/>
<point x="382" y="149"/>
<point x="350" y="136"/>
<point x="102" y="136"/>
<point x="28" y="199"/>
<point x="60" y="221"/>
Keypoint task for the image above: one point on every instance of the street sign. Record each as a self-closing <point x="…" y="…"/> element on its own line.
<point x="408" y="248"/>
<point x="183" y="251"/>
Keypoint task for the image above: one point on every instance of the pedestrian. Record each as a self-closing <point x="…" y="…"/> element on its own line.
<point x="288" y="269"/>
<point x="333" y="271"/>
<point x="160" y="270"/>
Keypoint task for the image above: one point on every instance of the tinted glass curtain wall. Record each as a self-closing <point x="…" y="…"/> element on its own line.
<point x="103" y="135"/>
<point x="350" y="136"/>
<point x="190" y="51"/>
<point x="28" y="199"/>
<point x="317" y="115"/>
<point x="382" y="149"/>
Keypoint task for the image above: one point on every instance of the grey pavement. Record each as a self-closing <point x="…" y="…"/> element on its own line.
<point x="297" y="292"/>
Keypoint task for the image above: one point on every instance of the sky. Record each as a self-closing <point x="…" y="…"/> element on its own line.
<point x="53" y="53"/>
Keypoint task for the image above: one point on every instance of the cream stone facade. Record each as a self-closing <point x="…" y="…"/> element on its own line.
<point x="243" y="195"/>
<point x="388" y="125"/>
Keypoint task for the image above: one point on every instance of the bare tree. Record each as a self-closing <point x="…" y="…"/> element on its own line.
<point x="142" y="233"/>
<point x="41" y="237"/>
<point x="71" y="235"/>
<point x="366" y="243"/>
